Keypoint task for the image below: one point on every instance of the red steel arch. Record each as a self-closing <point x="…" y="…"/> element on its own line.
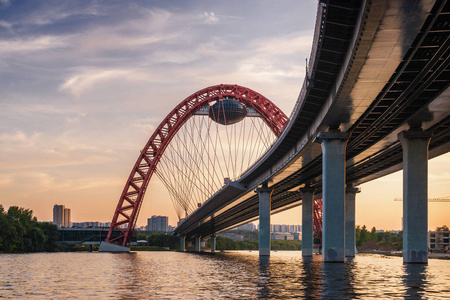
<point x="125" y="216"/>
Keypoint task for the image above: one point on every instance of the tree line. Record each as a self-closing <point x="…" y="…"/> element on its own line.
<point x="21" y="232"/>
<point x="362" y="235"/>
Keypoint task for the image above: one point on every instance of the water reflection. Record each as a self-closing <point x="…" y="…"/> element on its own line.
<point x="415" y="281"/>
<point x="338" y="280"/>
<point x="312" y="274"/>
<point x="230" y="275"/>
<point x="264" y="277"/>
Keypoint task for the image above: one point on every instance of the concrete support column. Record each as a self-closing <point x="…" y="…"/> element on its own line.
<point x="197" y="243"/>
<point x="213" y="243"/>
<point x="182" y="243"/>
<point x="307" y="220"/>
<point x="264" y="193"/>
<point x="333" y="194"/>
<point x="350" y="239"/>
<point x="415" y="195"/>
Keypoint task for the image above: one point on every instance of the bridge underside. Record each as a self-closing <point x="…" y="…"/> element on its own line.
<point x="376" y="69"/>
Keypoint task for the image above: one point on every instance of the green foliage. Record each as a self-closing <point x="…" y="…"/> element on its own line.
<point x="51" y="236"/>
<point x="442" y="228"/>
<point x="223" y="243"/>
<point x="20" y="232"/>
<point x="285" y="245"/>
<point x="362" y="236"/>
<point x="373" y="234"/>
<point x="164" y="240"/>
<point x="142" y="236"/>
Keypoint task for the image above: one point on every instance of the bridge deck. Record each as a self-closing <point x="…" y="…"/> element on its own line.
<point x="378" y="70"/>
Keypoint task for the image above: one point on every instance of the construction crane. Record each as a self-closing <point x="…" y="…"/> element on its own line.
<point x="441" y="199"/>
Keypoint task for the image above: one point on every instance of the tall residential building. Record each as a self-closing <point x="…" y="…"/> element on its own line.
<point x="160" y="223"/>
<point x="58" y="215"/>
<point x="61" y="216"/>
<point x="66" y="217"/>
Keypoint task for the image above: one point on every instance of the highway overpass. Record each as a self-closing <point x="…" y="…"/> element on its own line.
<point x="377" y="68"/>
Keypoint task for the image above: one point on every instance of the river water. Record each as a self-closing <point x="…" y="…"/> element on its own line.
<point x="226" y="275"/>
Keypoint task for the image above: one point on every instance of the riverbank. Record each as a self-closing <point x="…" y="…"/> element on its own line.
<point x="445" y="256"/>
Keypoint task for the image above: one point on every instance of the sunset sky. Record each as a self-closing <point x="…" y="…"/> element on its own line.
<point x="83" y="84"/>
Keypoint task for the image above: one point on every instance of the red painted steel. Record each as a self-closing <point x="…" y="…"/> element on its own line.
<point x="125" y="216"/>
<point x="317" y="225"/>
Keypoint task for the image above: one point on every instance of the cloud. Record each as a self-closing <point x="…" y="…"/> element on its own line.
<point x="49" y="151"/>
<point x="292" y="43"/>
<point x="50" y="15"/>
<point x="33" y="44"/>
<point x="209" y="18"/>
<point x="18" y="139"/>
<point x="6" y="25"/>
<point x="86" y="79"/>
<point x="145" y="125"/>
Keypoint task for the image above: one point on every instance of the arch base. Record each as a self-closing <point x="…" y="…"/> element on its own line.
<point x="108" y="247"/>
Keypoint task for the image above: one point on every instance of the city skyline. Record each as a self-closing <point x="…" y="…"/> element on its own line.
<point x="83" y="87"/>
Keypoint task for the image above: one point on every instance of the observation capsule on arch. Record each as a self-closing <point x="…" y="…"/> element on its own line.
<point x="227" y="111"/>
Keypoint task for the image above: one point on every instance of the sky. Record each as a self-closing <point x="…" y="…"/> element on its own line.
<point x="83" y="84"/>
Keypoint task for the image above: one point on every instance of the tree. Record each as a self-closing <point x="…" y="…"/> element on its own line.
<point x="51" y="236"/>
<point x="442" y="228"/>
<point x="363" y="236"/>
<point x="20" y="232"/>
<point x="373" y="234"/>
<point x="142" y="236"/>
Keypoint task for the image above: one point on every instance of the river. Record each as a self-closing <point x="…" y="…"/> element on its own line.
<point x="228" y="275"/>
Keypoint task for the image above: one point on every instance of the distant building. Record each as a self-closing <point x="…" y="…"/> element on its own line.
<point x="285" y="228"/>
<point x="94" y="224"/>
<point x="285" y="236"/>
<point x="233" y="236"/>
<point x="67" y="217"/>
<point x="438" y="240"/>
<point x="61" y="216"/>
<point x="159" y="223"/>
<point x="248" y="226"/>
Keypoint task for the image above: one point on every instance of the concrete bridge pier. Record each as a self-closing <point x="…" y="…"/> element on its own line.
<point x="213" y="243"/>
<point x="264" y="193"/>
<point x="182" y="243"/>
<point x="333" y="194"/>
<point x="415" y="195"/>
<point x="197" y="243"/>
<point x="307" y="220"/>
<point x="350" y="242"/>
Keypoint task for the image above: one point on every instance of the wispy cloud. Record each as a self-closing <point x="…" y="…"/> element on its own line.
<point x="6" y="25"/>
<point x="209" y="17"/>
<point x="87" y="79"/>
<point x="32" y="44"/>
<point x="5" y="2"/>
<point x="48" y="151"/>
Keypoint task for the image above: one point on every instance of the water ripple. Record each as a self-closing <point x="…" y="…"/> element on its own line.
<point x="229" y="275"/>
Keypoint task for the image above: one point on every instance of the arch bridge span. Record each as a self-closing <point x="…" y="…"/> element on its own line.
<point x="127" y="210"/>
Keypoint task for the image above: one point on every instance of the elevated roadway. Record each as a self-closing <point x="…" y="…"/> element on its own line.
<point x="377" y="68"/>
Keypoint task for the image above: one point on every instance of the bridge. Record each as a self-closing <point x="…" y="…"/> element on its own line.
<point x="375" y="100"/>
